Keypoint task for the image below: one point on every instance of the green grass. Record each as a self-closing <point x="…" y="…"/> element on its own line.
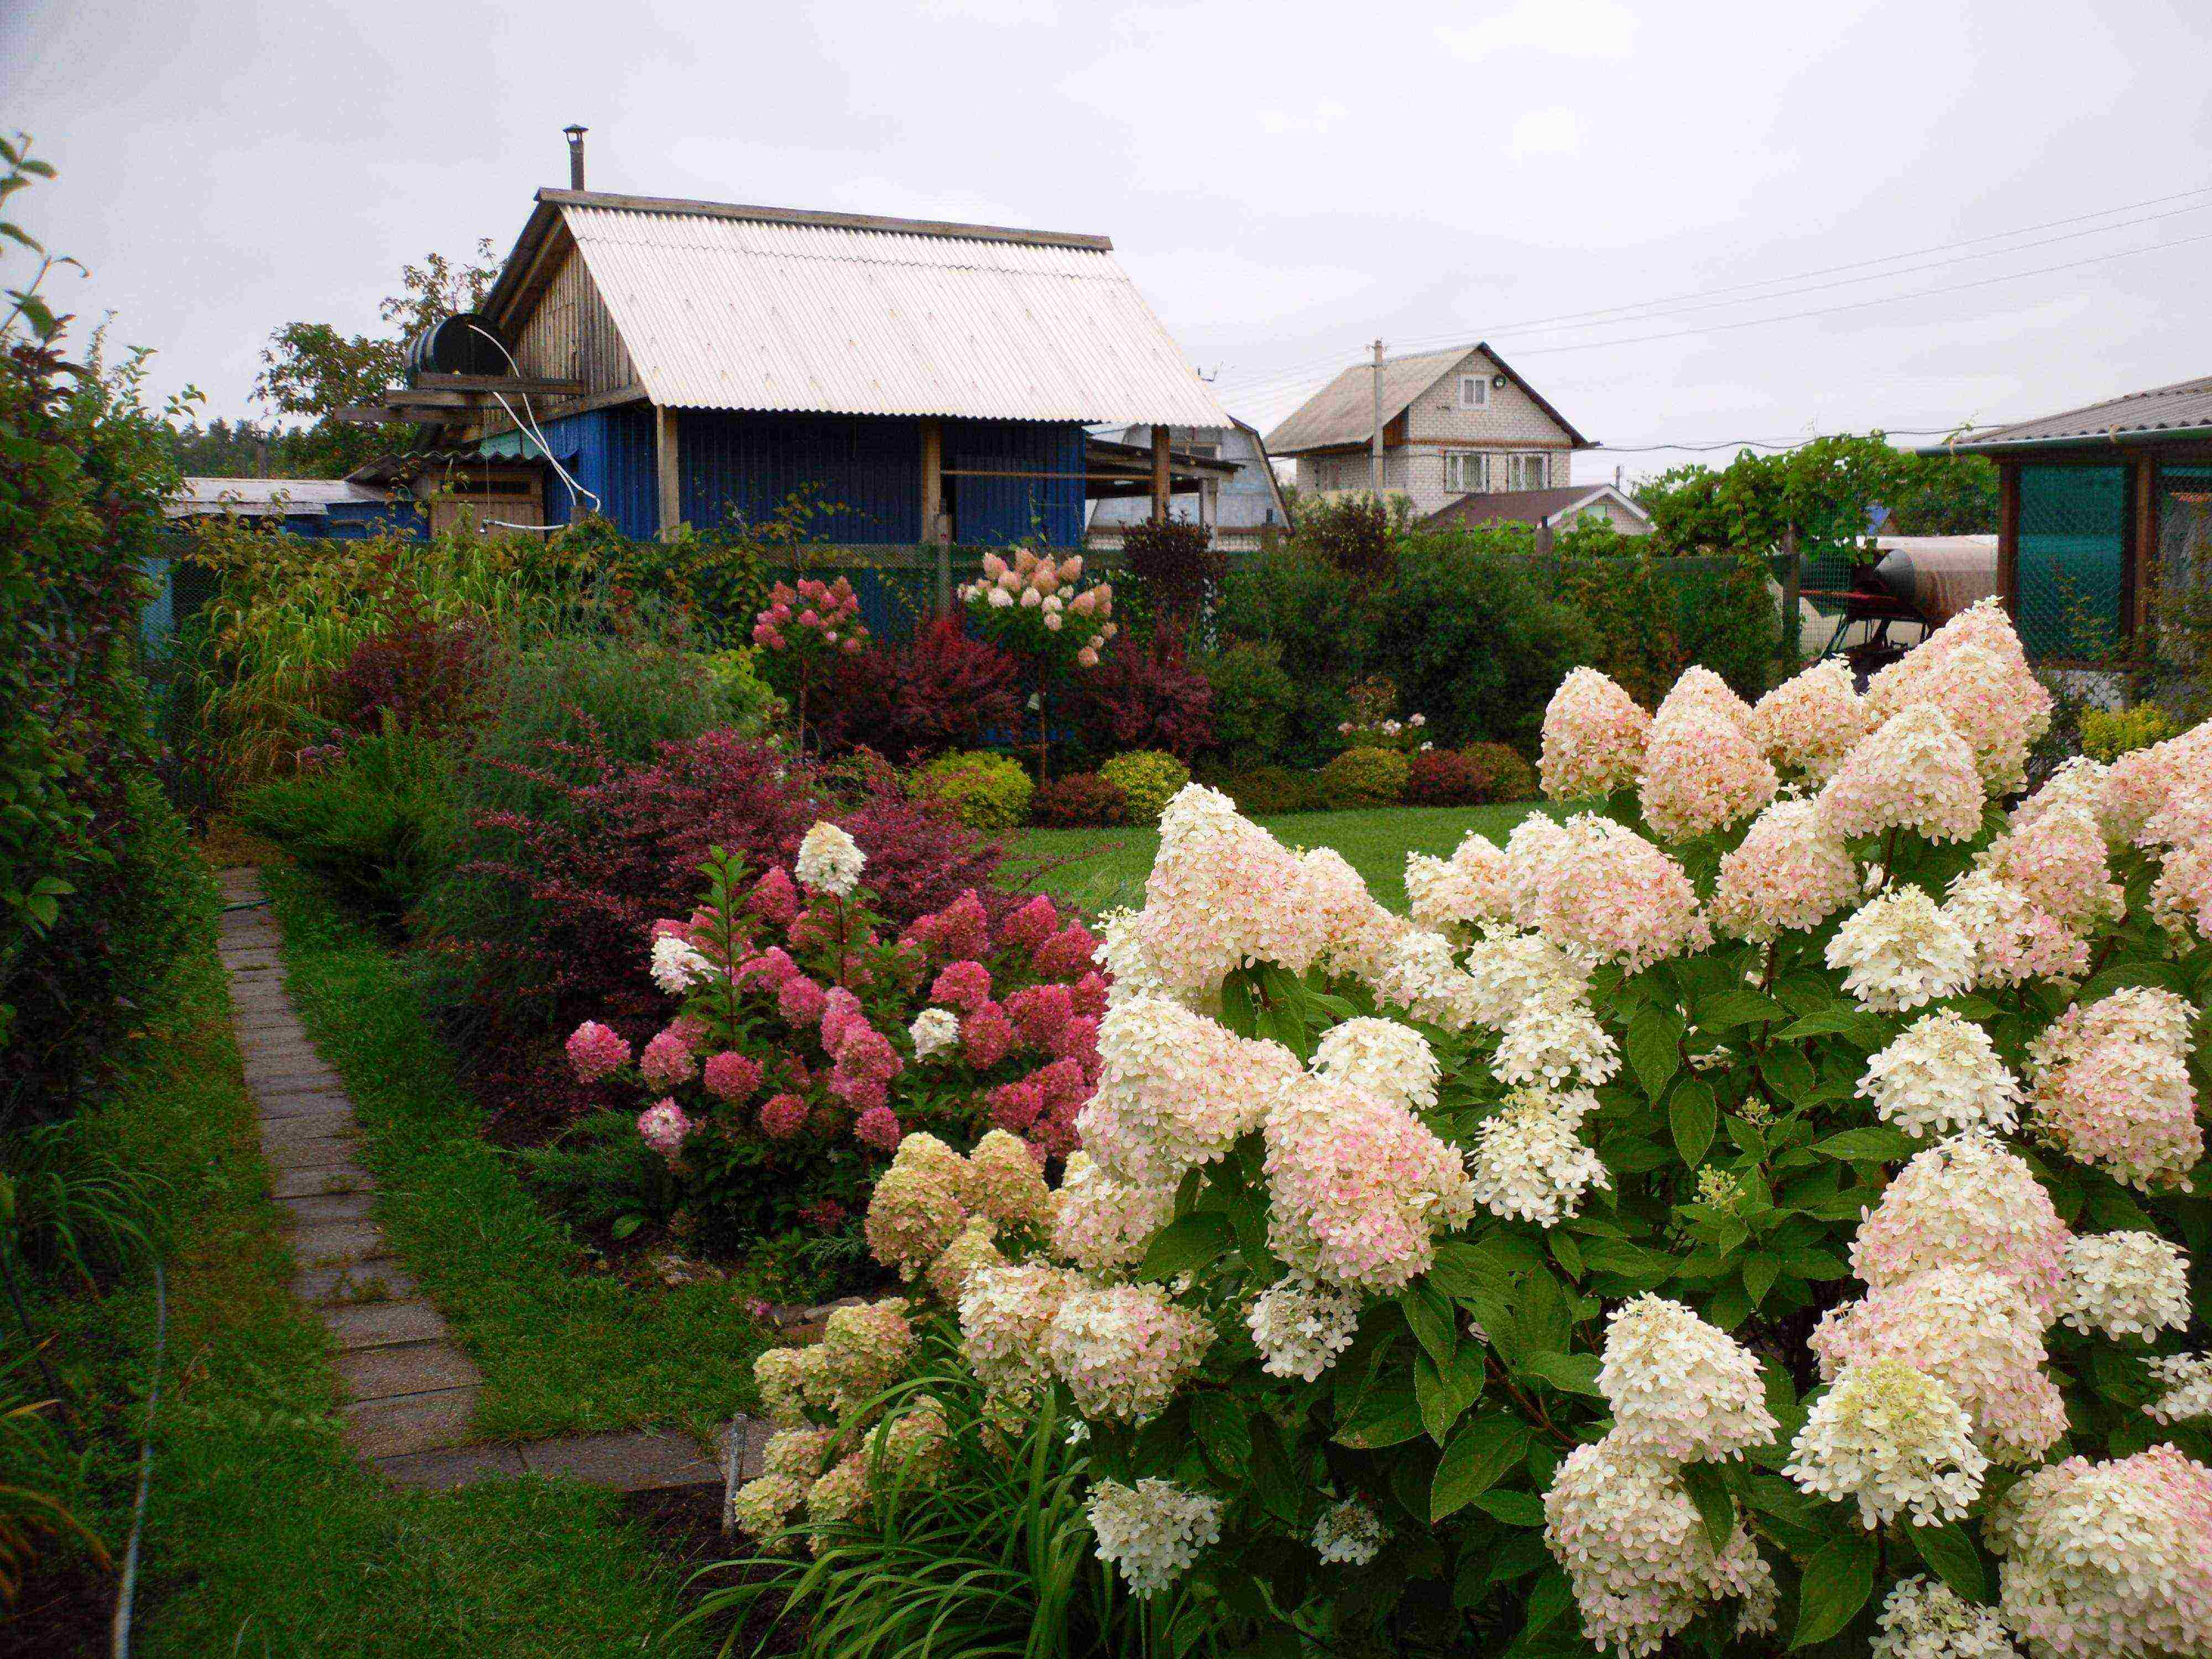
<point x="563" y="1350"/>
<point x="264" y="1536"/>
<point x="1100" y="869"/>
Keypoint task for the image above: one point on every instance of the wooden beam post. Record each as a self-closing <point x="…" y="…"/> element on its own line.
<point x="2008" y="538"/>
<point x="667" y="460"/>
<point x="1160" y="490"/>
<point x="2142" y="555"/>
<point x="932" y="507"/>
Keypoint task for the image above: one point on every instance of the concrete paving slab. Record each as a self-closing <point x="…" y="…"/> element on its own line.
<point x="412" y="1422"/>
<point x="333" y="1243"/>
<point x="375" y="1283"/>
<point x="379" y="1324"/>
<point x="312" y="1209"/>
<point x="342" y="1174"/>
<point x="405" y="1369"/>
<point x="640" y="1460"/>
<point x="447" y="1471"/>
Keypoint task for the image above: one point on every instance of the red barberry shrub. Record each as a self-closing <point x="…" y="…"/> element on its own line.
<point x="419" y="675"/>
<point x="1473" y="776"/>
<point x="1080" y="800"/>
<point x="939" y="691"/>
<point x="1142" y="697"/>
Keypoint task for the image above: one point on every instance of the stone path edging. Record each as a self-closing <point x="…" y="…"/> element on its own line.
<point x="411" y="1392"/>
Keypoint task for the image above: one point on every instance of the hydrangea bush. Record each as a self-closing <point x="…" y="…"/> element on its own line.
<point x="804" y="1040"/>
<point x="1756" y="1211"/>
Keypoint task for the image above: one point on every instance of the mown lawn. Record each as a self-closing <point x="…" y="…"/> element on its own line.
<point x="1101" y="869"/>
<point x="563" y="1350"/>
<point x="264" y="1536"/>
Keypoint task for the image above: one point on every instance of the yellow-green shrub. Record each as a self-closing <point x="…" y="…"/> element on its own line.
<point x="2109" y="733"/>
<point x="985" y="790"/>
<point x="1364" y="777"/>
<point x="1147" y="779"/>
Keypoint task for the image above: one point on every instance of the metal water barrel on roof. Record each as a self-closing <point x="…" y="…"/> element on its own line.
<point x="463" y="343"/>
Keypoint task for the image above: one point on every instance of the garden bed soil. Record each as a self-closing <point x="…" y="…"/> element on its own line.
<point x="65" y="1609"/>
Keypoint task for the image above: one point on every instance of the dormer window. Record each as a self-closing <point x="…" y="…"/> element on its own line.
<point x="1474" y="391"/>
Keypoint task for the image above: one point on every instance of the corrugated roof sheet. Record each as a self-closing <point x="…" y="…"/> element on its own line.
<point x="1343" y="412"/>
<point x="2184" y="406"/>
<point x="303" y="498"/>
<point x="724" y="312"/>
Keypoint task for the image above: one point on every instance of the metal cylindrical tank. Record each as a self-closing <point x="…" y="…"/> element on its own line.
<point x="457" y="345"/>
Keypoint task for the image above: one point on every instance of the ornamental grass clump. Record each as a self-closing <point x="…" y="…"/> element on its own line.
<point x="1625" y="1252"/>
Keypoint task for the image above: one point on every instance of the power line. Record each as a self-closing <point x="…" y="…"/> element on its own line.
<point x="1271" y="380"/>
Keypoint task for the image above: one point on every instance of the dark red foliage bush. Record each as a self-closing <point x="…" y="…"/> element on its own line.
<point x="1472" y="776"/>
<point x="1142" y="697"/>
<point x="941" y="690"/>
<point x="1080" y="801"/>
<point x="1174" y="565"/>
<point x="423" y="675"/>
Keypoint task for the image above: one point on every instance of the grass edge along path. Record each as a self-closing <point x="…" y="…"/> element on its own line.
<point x="264" y="1536"/>
<point x="562" y="1350"/>
<point x="1103" y="869"/>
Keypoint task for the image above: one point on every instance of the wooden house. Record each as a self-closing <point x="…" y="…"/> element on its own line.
<point x="2099" y="508"/>
<point x="696" y="362"/>
<point x="1455" y="423"/>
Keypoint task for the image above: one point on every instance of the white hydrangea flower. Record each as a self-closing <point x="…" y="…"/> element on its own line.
<point x="1511" y="970"/>
<point x="677" y="964"/>
<point x="1899" y="950"/>
<point x="1552" y="1044"/>
<point x="1530" y="1162"/>
<point x="1680" y="1388"/>
<point x="1103" y="1224"/>
<point x="1967" y="1201"/>
<point x="1924" y="1618"/>
<point x="1894" y="1438"/>
<point x="2187" y="1378"/>
<point x="830" y="861"/>
<point x="1123" y="1350"/>
<point x="1300" y="1326"/>
<point x="1942" y="1072"/>
<point x="1382" y="1057"/>
<point x="1420" y="976"/>
<point x="2131" y="1283"/>
<point x="1005" y="1313"/>
<point x="1175" y="1090"/>
<point x="934" y="1031"/>
<point x="1121" y="952"/>
<point x="1635" y="1549"/>
<point x="1152" y="1532"/>
<point x="1349" y="1534"/>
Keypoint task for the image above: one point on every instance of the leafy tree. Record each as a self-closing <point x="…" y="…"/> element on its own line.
<point x="312" y="368"/>
<point x="232" y="449"/>
<point x="1826" y="489"/>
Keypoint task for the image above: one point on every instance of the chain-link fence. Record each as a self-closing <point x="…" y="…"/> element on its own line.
<point x="2072" y="561"/>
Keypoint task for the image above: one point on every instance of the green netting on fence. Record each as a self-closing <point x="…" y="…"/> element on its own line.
<point x="2073" y="552"/>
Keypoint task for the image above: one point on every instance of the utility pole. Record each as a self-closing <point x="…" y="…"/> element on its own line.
<point x="1375" y="461"/>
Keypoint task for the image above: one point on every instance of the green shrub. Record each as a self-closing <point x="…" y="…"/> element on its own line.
<point x="367" y="817"/>
<point x="1147" y="780"/>
<point x="748" y="703"/>
<point x="1254" y="703"/>
<point x="1364" y="777"/>
<point x="1260" y="791"/>
<point x="2109" y="733"/>
<point x="984" y="790"/>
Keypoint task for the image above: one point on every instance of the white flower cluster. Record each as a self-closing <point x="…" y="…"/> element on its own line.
<point x="1926" y="1618"/>
<point x="1899" y="950"/>
<point x="2130" y="1284"/>
<point x="1349" y="1534"/>
<point x="2187" y="1380"/>
<point x="1892" y="1438"/>
<point x="677" y="964"/>
<point x="1529" y="1161"/>
<point x="1382" y="1057"/>
<point x="1552" y="1044"/>
<point x="1513" y="970"/>
<point x="1103" y="1224"/>
<point x="1152" y="1532"/>
<point x="1175" y="1090"/>
<point x="830" y="861"/>
<point x="1123" y="1350"/>
<point x="1300" y="1327"/>
<point x="1967" y="1201"/>
<point x="1467" y="889"/>
<point x="935" y="1031"/>
<point x="1421" y="975"/>
<point x="1005" y="1313"/>
<point x="1942" y="1072"/>
<point x="1680" y="1388"/>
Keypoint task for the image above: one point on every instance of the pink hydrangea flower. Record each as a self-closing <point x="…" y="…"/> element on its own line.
<point x="667" y="1060"/>
<point x="1067" y="955"/>
<point x="841" y="1012"/>
<point x="782" y="1116"/>
<point x="774" y="897"/>
<point x="733" y="1076"/>
<point x="594" y="1050"/>
<point x="986" y="1035"/>
<point x="1090" y="993"/>
<point x="669" y="927"/>
<point x="768" y="971"/>
<point x="1030" y="926"/>
<point x="965" y="985"/>
<point x="1015" y="1106"/>
<point x="1040" y="1014"/>
<point x="663" y="1127"/>
<point x="878" y="1126"/>
<point x="690" y="1028"/>
<point x="800" y="1001"/>
<point x="960" y="929"/>
<point x="1063" y="1084"/>
<point x="865" y="1064"/>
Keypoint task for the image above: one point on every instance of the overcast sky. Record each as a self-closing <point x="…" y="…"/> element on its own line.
<point x="1285" y="181"/>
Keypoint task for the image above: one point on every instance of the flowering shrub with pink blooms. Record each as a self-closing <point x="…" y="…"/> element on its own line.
<point x="1766" y="1209"/>
<point x="805" y="1036"/>
<point x="804" y="629"/>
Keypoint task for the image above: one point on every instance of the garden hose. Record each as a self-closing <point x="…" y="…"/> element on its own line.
<point x="145" y="1467"/>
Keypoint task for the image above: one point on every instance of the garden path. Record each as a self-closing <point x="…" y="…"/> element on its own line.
<point x="410" y="1391"/>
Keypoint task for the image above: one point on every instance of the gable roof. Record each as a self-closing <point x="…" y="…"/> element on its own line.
<point x="2184" y="406"/>
<point x="1530" y="506"/>
<point x="721" y="305"/>
<point x="1343" y="412"/>
<point x="249" y="498"/>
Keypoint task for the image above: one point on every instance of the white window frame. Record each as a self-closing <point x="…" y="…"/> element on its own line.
<point x="1467" y="473"/>
<point x="1478" y="387"/>
<point x="1522" y="467"/>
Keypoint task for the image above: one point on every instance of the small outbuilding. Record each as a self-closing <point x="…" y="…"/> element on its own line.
<point x="2100" y="509"/>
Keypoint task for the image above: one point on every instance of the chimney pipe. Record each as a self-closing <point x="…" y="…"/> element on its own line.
<point x="575" y="135"/>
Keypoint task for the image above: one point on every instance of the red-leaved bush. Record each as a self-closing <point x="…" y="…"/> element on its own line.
<point x="1472" y="776"/>
<point x="1142" y="697"/>
<point x="1080" y="800"/>
<point x="941" y="690"/>
<point x="421" y="674"/>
